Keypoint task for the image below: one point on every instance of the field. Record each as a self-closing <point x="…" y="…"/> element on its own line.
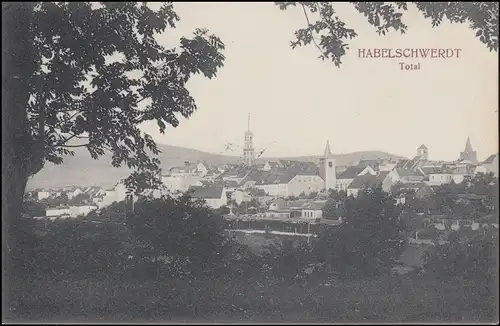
<point x="396" y="298"/>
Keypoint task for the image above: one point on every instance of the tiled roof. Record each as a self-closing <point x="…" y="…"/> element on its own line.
<point x="279" y="176"/>
<point x="409" y="172"/>
<point x="231" y="183"/>
<point x="382" y="175"/>
<point x="299" y="166"/>
<point x="365" y="180"/>
<point x="315" y="205"/>
<point x="257" y="192"/>
<point x="206" y="192"/>
<point x="177" y="169"/>
<point x="429" y="169"/>
<point x="401" y="163"/>
<point x="351" y="172"/>
<point x="92" y="191"/>
<point x="490" y="159"/>
<point x="279" y="203"/>
<point x="298" y="204"/>
<point x="414" y="186"/>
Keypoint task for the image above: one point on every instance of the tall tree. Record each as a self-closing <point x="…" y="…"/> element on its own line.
<point x="81" y="74"/>
<point x="181" y="228"/>
<point x="330" y="34"/>
<point x="369" y="240"/>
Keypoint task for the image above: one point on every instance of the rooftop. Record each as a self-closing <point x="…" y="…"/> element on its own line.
<point x="211" y="192"/>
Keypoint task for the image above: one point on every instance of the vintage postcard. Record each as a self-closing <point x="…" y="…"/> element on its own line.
<point x="253" y="162"/>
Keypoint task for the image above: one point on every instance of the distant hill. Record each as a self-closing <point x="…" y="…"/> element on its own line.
<point x="82" y="170"/>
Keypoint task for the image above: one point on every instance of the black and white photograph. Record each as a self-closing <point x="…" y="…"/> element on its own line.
<point x="250" y="162"/>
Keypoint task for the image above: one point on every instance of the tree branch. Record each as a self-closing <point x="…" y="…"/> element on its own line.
<point x="310" y="30"/>
<point x="73" y="146"/>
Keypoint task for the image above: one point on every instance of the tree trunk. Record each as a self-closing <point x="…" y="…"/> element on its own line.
<point x="18" y="65"/>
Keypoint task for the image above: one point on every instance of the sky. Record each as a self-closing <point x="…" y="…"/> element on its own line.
<point x="297" y="102"/>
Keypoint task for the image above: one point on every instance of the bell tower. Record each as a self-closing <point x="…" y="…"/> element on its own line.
<point x="248" y="150"/>
<point x="330" y="167"/>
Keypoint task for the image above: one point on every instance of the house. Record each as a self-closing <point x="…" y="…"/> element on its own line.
<point x="374" y="164"/>
<point x="471" y="199"/>
<point x="94" y="192"/>
<point x="117" y="193"/>
<point x="345" y="178"/>
<point x="313" y="210"/>
<point x="277" y="205"/>
<point x="289" y="208"/>
<point x="270" y="165"/>
<point x="215" y="196"/>
<point x="41" y="194"/>
<point x="289" y="182"/>
<point x="363" y="181"/>
<point x="73" y="191"/>
<point x="410" y="175"/>
<point x="440" y="177"/>
<point x="421" y="190"/>
<point x="239" y="196"/>
<point x="81" y="210"/>
<point x="181" y="178"/>
<point x="237" y="173"/>
<point x="60" y="211"/>
<point x="456" y="172"/>
<point x="388" y="178"/>
<point x="490" y="165"/>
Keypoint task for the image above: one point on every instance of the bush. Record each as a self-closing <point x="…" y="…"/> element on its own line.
<point x="185" y="231"/>
<point x="74" y="250"/>
<point x="474" y="259"/>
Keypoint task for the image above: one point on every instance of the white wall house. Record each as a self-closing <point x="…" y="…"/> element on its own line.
<point x="304" y="184"/>
<point x="345" y="178"/>
<point x="82" y="210"/>
<point x="57" y="211"/>
<point x="73" y="192"/>
<point x="240" y="196"/>
<point x="116" y="194"/>
<point x="410" y="175"/>
<point x="366" y="180"/>
<point x="291" y="185"/>
<point x="180" y="182"/>
<point x="440" y="178"/>
<point x="313" y="210"/>
<point x="490" y="165"/>
<point x="42" y="194"/>
<point x="214" y="196"/>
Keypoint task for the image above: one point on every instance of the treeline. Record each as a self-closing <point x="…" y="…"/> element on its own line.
<point x="190" y="239"/>
<point x="183" y="239"/>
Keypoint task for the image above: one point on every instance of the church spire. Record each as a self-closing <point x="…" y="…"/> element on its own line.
<point x="328" y="151"/>
<point x="468" y="146"/>
<point x="248" y="128"/>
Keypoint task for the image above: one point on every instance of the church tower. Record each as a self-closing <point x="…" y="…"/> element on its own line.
<point x="468" y="154"/>
<point x="248" y="150"/>
<point x="329" y="166"/>
<point x="423" y="152"/>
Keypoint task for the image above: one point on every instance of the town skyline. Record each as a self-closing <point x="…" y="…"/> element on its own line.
<point x="299" y="102"/>
<point x="481" y="156"/>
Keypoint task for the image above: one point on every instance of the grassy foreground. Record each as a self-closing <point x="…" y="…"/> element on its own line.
<point x="401" y="298"/>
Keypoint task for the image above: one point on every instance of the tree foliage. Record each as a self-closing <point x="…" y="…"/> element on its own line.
<point x="330" y="34"/>
<point x="181" y="229"/>
<point x="92" y="73"/>
<point x="474" y="258"/>
<point x="369" y="241"/>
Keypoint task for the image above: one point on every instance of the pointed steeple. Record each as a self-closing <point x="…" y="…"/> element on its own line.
<point x="468" y="146"/>
<point x="328" y="151"/>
